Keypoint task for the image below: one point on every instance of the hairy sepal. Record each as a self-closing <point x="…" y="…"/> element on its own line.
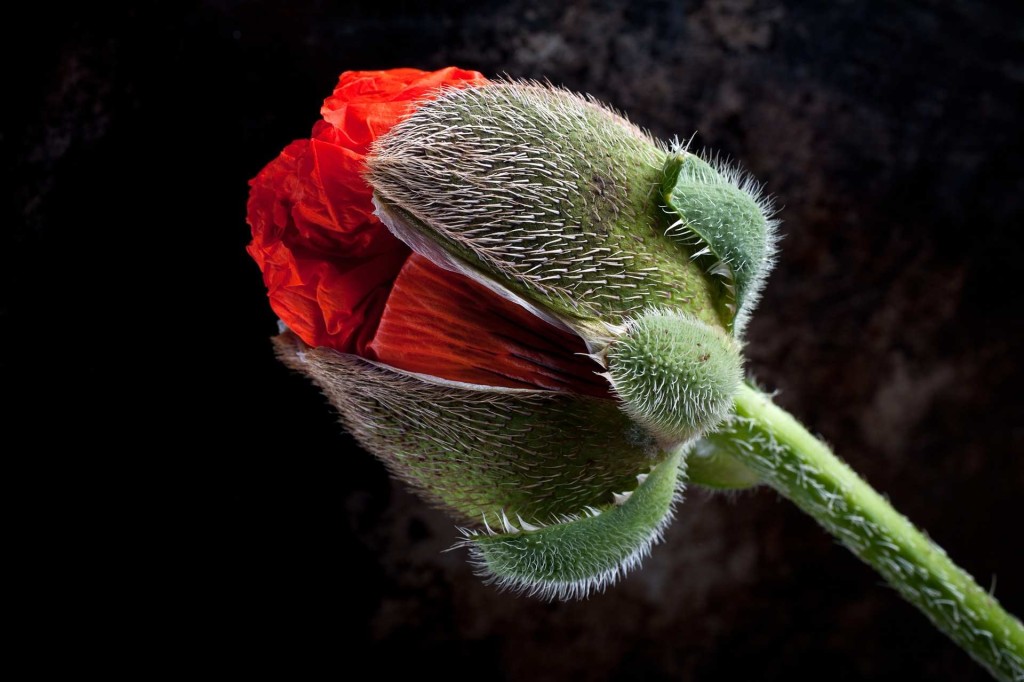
<point x="481" y="452"/>
<point x="720" y="215"/>
<point x="554" y="196"/>
<point x="573" y="558"/>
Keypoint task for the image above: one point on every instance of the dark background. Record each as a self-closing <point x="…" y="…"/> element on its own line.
<point x="198" y="507"/>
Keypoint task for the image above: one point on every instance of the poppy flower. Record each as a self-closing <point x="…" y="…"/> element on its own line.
<point x="452" y="259"/>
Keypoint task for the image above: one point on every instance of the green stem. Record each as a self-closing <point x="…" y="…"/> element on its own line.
<point x="802" y="468"/>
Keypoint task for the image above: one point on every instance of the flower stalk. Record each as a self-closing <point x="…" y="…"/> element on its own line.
<point x="768" y="440"/>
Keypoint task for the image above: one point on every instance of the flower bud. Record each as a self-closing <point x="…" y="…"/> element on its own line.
<point x="562" y="328"/>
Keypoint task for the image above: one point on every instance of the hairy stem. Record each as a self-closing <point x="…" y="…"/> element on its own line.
<point x="802" y="468"/>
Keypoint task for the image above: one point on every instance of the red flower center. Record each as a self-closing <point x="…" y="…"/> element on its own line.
<point x="338" y="278"/>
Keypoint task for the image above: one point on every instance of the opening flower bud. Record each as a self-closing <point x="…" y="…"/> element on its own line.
<point x="490" y="343"/>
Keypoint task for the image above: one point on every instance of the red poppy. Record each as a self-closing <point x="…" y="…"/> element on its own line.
<point x="338" y="278"/>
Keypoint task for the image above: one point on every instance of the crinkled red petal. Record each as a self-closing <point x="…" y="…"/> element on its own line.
<point x="328" y="286"/>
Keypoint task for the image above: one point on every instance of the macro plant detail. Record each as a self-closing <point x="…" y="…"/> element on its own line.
<point x="532" y="312"/>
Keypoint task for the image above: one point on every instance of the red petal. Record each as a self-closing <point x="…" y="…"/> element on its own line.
<point x="367" y="104"/>
<point x="329" y="286"/>
<point x="446" y="325"/>
<point x="326" y="260"/>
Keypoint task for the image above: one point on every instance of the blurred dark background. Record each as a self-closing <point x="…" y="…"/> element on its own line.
<point x="198" y="507"/>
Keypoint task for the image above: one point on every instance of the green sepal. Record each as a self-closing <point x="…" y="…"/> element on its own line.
<point x="479" y="452"/>
<point x="722" y="220"/>
<point x="571" y="559"/>
<point x="543" y="195"/>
